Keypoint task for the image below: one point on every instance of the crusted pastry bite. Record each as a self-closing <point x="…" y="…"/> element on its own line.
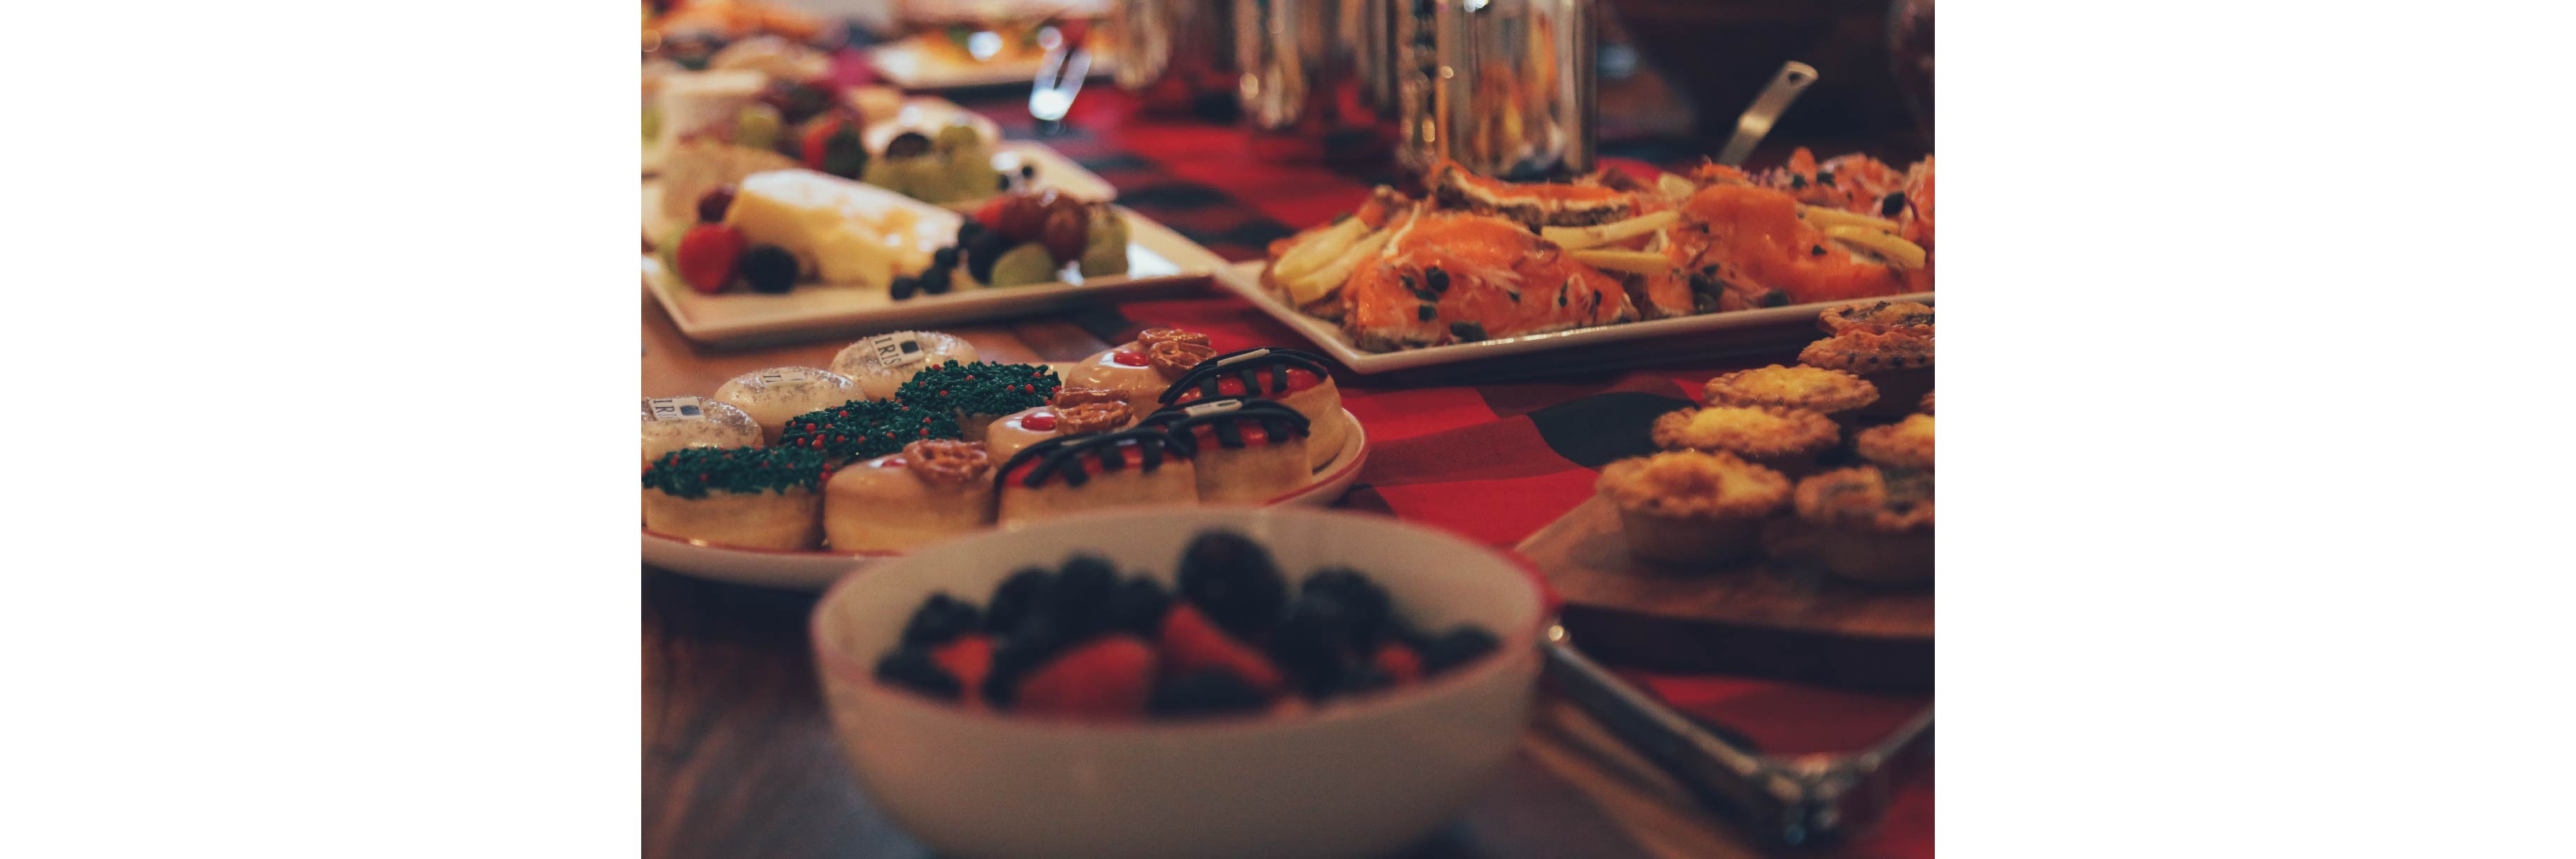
<point x="860" y="429"/>
<point x="930" y="491"/>
<point x="1833" y="393"/>
<point x="1294" y="379"/>
<point x="1898" y="361"/>
<point x="673" y="423"/>
<point x="1904" y="444"/>
<point x="761" y="498"/>
<point x="1055" y="477"/>
<point x="773" y="395"/>
<point x="978" y="393"/>
<point x="1879" y="315"/>
<point x="1072" y="411"/>
<point x="1141" y="369"/>
<point x="1872" y="524"/>
<point x="1927" y="402"/>
<point x="882" y="363"/>
<point x="1783" y="439"/>
<point x="1691" y="507"/>
<point x="1244" y="450"/>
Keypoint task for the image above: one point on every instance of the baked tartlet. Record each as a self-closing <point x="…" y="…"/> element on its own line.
<point x="1871" y="524"/>
<point x="1692" y="507"/>
<point x="761" y="498"/>
<point x="773" y="395"/>
<point x="1783" y="439"/>
<point x="1898" y="361"/>
<point x="1903" y="444"/>
<point x="1833" y="393"/>
<point x="1927" y="402"/>
<point x="882" y="363"/>
<point x="674" y="423"/>
<point x="931" y="491"/>
<point x="1876" y="316"/>
<point x="978" y="393"/>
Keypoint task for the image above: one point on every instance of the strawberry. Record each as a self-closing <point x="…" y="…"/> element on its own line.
<point x="831" y="144"/>
<point x="707" y="255"/>
<point x="814" y="143"/>
<point x="1109" y="678"/>
<point x="991" y="213"/>
<point x="1398" y="661"/>
<point x="1193" y="643"/>
<point x="969" y="657"/>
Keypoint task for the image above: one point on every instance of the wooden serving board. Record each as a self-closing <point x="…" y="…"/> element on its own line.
<point x="1765" y="618"/>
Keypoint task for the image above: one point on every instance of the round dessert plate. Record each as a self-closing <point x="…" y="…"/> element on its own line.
<point x="773" y="568"/>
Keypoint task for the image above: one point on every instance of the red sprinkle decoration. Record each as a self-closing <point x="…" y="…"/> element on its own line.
<point x="1130" y="358"/>
<point x="1041" y="422"/>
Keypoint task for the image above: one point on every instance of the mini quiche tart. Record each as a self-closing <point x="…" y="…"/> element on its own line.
<point x="1832" y="392"/>
<point x="1690" y="507"/>
<point x="1927" y="402"/>
<point x="761" y="498"/>
<point x="1904" y="444"/>
<point x="1876" y="316"/>
<point x="1898" y="361"/>
<point x="1784" y="439"/>
<point x="1872" y="524"/>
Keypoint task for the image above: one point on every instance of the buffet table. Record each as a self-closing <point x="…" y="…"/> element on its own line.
<point x="739" y="759"/>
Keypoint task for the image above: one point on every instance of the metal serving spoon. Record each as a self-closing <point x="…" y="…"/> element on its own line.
<point x="1793" y="79"/>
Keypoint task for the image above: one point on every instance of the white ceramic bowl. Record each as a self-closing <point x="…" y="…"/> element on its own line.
<point x="1355" y="778"/>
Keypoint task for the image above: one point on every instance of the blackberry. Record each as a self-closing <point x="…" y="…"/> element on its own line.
<point x="902" y="288"/>
<point x="1079" y="604"/>
<point x="945" y="257"/>
<point x="981" y="251"/>
<point x="1030" y="646"/>
<point x="1233" y="581"/>
<point x="768" y="268"/>
<point x="1455" y="648"/>
<point x="910" y="144"/>
<point x="966" y="231"/>
<point x="1205" y="693"/>
<point x="912" y="668"/>
<point x="1016" y="599"/>
<point x="1315" y="642"/>
<point x="1370" y="611"/>
<point x="935" y="280"/>
<point x="941" y="620"/>
<point x="1138" y="607"/>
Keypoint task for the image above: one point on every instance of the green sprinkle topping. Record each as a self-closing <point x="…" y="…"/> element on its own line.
<point x="979" y="388"/>
<point x="692" y="472"/>
<point x="862" y="429"/>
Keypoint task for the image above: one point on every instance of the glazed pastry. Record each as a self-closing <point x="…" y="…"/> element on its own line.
<point x="1055" y="477"/>
<point x="861" y="429"/>
<point x="1871" y="524"/>
<point x="1876" y="316"/>
<point x="1898" y="361"/>
<point x="773" y="395"/>
<point x="1904" y="444"/>
<point x="1782" y="439"/>
<point x="1140" y="370"/>
<point x="1244" y="450"/>
<point x="672" y="423"/>
<point x="760" y="498"/>
<point x="882" y="363"/>
<point x="1295" y="379"/>
<point x="1072" y="411"/>
<point x="1833" y="393"/>
<point x="932" y="490"/>
<point x="1689" y="507"/>
<point x="978" y="393"/>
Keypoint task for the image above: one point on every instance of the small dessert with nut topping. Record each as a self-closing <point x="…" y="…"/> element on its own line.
<point x="1904" y="444"/>
<point x="1833" y="393"/>
<point x="1135" y="371"/>
<point x="1690" y="507"/>
<point x="1072" y="411"/>
<point x="1870" y="524"/>
<point x="934" y="489"/>
<point x="1876" y="316"/>
<point x="1782" y="439"/>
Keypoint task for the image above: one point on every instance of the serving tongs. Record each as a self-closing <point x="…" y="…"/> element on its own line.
<point x="1785" y="87"/>
<point x="1060" y="77"/>
<point x="1786" y="801"/>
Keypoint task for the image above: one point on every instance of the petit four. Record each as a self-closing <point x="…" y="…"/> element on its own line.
<point x="882" y="363"/>
<point x="1072" y="411"/>
<point x="1834" y="393"/>
<point x="1692" y="507"/>
<point x="1904" y="444"/>
<point x="860" y="429"/>
<point x="773" y="395"/>
<point x="1873" y="524"/>
<point x="1897" y="360"/>
<point x="978" y="393"/>
<point x="1137" y="369"/>
<point x="672" y="423"/>
<point x="761" y="498"/>
<point x="1876" y="316"/>
<point x="1244" y="450"/>
<point x="932" y="490"/>
<point x="1298" y="380"/>
<point x="1071" y="475"/>
<point x="1783" y="439"/>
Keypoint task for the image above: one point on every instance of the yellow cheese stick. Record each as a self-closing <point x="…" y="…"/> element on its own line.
<point x="1576" y="238"/>
<point x="1306" y="290"/>
<point x="1825" y="218"/>
<point x="1633" y="262"/>
<point x="1899" y="252"/>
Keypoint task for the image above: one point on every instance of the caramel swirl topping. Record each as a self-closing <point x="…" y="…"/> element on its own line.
<point x="1069" y="396"/>
<point x="1150" y="336"/>
<point x="1174" y="358"/>
<point x="1088" y="418"/>
<point x="949" y="462"/>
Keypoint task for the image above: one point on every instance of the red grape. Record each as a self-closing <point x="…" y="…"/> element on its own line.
<point x="1066" y="231"/>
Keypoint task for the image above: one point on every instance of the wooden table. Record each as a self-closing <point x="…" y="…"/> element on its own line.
<point x="740" y="761"/>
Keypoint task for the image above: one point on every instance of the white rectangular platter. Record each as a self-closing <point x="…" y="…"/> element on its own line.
<point x="1712" y="332"/>
<point x="1157" y="258"/>
<point x="910" y="65"/>
<point x="1053" y="171"/>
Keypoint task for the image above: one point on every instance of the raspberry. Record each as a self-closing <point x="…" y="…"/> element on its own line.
<point x="912" y="668"/>
<point x="1398" y="661"/>
<point x="940" y="619"/>
<point x="1206" y="693"/>
<point x="1234" y="581"/>
<point x="969" y="658"/>
<point x="1110" y="678"/>
<point x="1191" y="644"/>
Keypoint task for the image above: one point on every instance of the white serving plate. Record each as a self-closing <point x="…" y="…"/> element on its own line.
<point x="917" y="112"/>
<point x="1053" y="169"/>
<point x="913" y="66"/>
<point x="774" y="568"/>
<point x="1706" y="333"/>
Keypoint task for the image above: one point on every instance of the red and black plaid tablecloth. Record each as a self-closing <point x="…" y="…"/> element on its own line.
<point x="1491" y="461"/>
